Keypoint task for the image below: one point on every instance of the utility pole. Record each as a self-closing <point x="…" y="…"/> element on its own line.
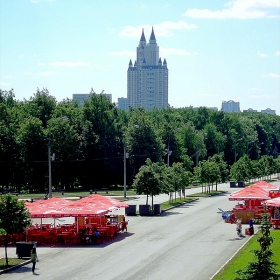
<point x="50" y="168"/>
<point x="125" y="156"/>
<point x="168" y="152"/>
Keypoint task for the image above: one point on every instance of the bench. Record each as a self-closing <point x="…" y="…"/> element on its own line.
<point x="106" y="190"/>
<point x="15" y="193"/>
<point x="59" y="190"/>
<point x="10" y="192"/>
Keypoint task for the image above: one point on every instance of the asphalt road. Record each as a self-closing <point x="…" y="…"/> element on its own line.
<point x="187" y="242"/>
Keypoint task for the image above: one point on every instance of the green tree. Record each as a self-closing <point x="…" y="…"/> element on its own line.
<point x="242" y="170"/>
<point x="149" y="179"/>
<point x="222" y="165"/>
<point x="41" y="106"/>
<point x="263" y="267"/>
<point x="177" y="177"/>
<point x="142" y="141"/>
<point x="14" y="218"/>
<point x="210" y="173"/>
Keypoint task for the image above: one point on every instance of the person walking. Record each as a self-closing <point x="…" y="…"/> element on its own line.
<point x="34" y="259"/>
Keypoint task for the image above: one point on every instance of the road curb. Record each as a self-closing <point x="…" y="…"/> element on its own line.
<point x="14" y="267"/>
<point x="195" y="199"/>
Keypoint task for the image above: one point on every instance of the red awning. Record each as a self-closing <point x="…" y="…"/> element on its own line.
<point x="91" y="206"/>
<point x="258" y="191"/>
<point x="104" y="201"/>
<point x="273" y="202"/>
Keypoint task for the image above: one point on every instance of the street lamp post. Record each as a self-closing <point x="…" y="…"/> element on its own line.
<point x="168" y="151"/>
<point x="50" y="159"/>
<point x="125" y="156"/>
<point x="235" y="148"/>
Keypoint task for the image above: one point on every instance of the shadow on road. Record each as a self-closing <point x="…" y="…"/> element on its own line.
<point x="22" y="269"/>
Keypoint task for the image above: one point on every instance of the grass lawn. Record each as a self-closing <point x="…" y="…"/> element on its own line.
<point x="11" y="262"/>
<point x="212" y="193"/>
<point x="245" y="256"/>
<point x="75" y="194"/>
<point x="165" y="205"/>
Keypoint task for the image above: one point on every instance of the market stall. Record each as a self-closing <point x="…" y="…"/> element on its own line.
<point x="274" y="207"/>
<point x="89" y="214"/>
<point x="250" y="200"/>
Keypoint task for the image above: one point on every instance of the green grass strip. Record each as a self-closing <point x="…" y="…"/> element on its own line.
<point x="244" y="256"/>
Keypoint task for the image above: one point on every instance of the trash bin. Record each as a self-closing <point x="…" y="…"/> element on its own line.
<point x="157" y="209"/>
<point x="144" y="210"/>
<point x="23" y="249"/>
<point x="130" y="210"/>
<point x="232" y="184"/>
<point x="240" y="184"/>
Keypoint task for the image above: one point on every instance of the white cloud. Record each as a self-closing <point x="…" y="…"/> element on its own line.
<point x="41" y="64"/>
<point x="277" y="53"/>
<point x="3" y="84"/>
<point x="271" y="75"/>
<point x="261" y="54"/>
<point x="255" y="89"/>
<point x="164" y="52"/>
<point x="28" y="74"/>
<point x="69" y="64"/>
<point x="239" y="9"/>
<point x="262" y="96"/>
<point x="48" y="73"/>
<point x="36" y="1"/>
<point x="161" y="30"/>
<point x="122" y="53"/>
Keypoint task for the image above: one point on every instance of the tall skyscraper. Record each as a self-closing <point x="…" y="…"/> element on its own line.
<point x="147" y="78"/>
<point x="230" y="106"/>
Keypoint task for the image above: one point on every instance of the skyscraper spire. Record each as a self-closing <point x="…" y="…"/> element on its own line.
<point x="142" y="39"/>
<point x="152" y="37"/>
<point x="147" y="80"/>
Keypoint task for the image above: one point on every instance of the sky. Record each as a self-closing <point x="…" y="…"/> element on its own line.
<point x="215" y="50"/>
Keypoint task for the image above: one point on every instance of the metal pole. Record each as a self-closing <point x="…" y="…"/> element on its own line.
<point x="50" y="169"/>
<point x="168" y="154"/>
<point x="196" y="158"/>
<point x="235" y="152"/>
<point x="124" y="172"/>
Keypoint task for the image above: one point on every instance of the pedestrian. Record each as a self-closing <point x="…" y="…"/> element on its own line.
<point x="251" y="227"/>
<point x="124" y="225"/>
<point x="239" y="228"/>
<point x="34" y="259"/>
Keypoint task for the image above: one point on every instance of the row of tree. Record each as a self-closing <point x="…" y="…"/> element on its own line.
<point x="89" y="142"/>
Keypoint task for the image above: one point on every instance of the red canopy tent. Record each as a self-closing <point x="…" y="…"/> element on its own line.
<point x="264" y="185"/>
<point x="104" y="201"/>
<point x="93" y="205"/>
<point x="274" y="205"/>
<point x="252" y="197"/>
<point x="57" y="207"/>
<point x="250" y="193"/>
<point x="258" y="191"/>
<point x="275" y="202"/>
<point x="78" y="209"/>
<point x="40" y="208"/>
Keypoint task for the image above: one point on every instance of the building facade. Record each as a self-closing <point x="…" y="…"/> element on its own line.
<point x="268" y="111"/>
<point x="147" y="78"/>
<point x="122" y="103"/>
<point x="230" y="106"/>
<point x="81" y="97"/>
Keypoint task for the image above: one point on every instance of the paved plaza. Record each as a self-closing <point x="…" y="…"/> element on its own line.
<point x="187" y="242"/>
